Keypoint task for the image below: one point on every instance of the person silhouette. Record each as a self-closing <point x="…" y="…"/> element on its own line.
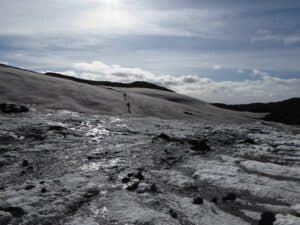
<point x="128" y="107"/>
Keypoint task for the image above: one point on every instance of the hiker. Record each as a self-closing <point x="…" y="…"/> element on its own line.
<point x="128" y="106"/>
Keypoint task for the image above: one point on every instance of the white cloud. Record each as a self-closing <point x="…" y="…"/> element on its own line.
<point x="265" y="35"/>
<point x="216" y="67"/>
<point x="265" y="88"/>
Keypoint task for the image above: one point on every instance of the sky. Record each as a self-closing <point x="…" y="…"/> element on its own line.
<point x="230" y="51"/>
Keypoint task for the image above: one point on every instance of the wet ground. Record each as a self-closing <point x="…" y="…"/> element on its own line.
<point x="61" y="167"/>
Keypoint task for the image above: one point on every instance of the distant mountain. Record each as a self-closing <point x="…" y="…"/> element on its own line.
<point x="287" y="111"/>
<point x="136" y="84"/>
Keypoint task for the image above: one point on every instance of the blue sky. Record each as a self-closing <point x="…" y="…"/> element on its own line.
<point x="219" y="51"/>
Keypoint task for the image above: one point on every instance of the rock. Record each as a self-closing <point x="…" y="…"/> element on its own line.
<point x="163" y="136"/>
<point x="94" y="156"/>
<point x="43" y="190"/>
<point x="198" y="201"/>
<point x="30" y="168"/>
<point x="173" y="214"/>
<point x="6" y="139"/>
<point x="143" y="187"/>
<point x="2" y="162"/>
<point x="188" y="113"/>
<point x="29" y="187"/>
<point x="249" y="141"/>
<point x="229" y="197"/>
<point x="139" y="175"/>
<point x="133" y="186"/>
<point x="25" y="163"/>
<point x="15" y="211"/>
<point x="125" y="180"/>
<point x="12" y="108"/>
<point x="154" y="188"/>
<point x="214" y="200"/>
<point x="5" y="218"/>
<point x="267" y="218"/>
<point x="199" y="145"/>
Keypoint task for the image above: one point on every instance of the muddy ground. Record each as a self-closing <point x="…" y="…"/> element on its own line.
<point x="62" y="167"/>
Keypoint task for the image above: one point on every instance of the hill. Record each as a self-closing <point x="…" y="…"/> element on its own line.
<point x="136" y="84"/>
<point x="138" y="99"/>
<point x="287" y="111"/>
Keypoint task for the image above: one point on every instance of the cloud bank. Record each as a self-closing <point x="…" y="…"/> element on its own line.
<point x="263" y="88"/>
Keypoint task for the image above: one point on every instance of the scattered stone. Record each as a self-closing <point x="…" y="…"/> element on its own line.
<point x="139" y="175"/>
<point x="5" y="217"/>
<point x="143" y="187"/>
<point x="42" y="182"/>
<point x="173" y="214"/>
<point x="93" y="156"/>
<point x="163" y="136"/>
<point x="154" y="188"/>
<point x="267" y="218"/>
<point x="22" y="172"/>
<point x="229" y="197"/>
<point x="6" y="139"/>
<point x="25" y="163"/>
<point x="43" y="190"/>
<point x="214" y="200"/>
<point x="29" y="187"/>
<point x="130" y="174"/>
<point x="198" y="201"/>
<point x="30" y="168"/>
<point x="125" y="180"/>
<point x="133" y="186"/>
<point x="199" y="145"/>
<point x="12" y="108"/>
<point x="15" y="211"/>
<point x="188" y="113"/>
<point x="2" y="162"/>
<point x="249" y="141"/>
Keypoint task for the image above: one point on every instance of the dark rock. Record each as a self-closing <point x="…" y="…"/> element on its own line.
<point x="198" y="201"/>
<point x="214" y="200"/>
<point x="94" y="156"/>
<point x="173" y="214"/>
<point x="199" y="145"/>
<point x="154" y="188"/>
<point x="229" y="197"/>
<point x="139" y="175"/>
<point x="30" y="168"/>
<point x="133" y="186"/>
<point x="249" y="141"/>
<point x="6" y="139"/>
<point x="188" y="113"/>
<point x="15" y="211"/>
<point x="43" y="190"/>
<point x="22" y="172"/>
<point x="29" y="187"/>
<point x="2" y="162"/>
<point x="5" y="218"/>
<point x="163" y="136"/>
<point x="42" y="182"/>
<point x="25" y="163"/>
<point x="267" y="218"/>
<point x="125" y="180"/>
<point x="12" y="108"/>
